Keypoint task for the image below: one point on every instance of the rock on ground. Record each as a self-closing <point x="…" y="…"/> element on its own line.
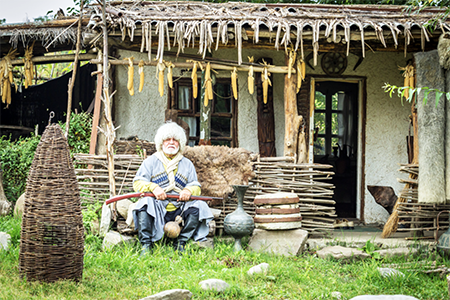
<point x="122" y="207"/>
<point x="20" y="205"/>
<point x="384" y="297"/>
<point x="397" y="252"/>
<point x="261" y="268"/>
<point x="214" y="285"/>
<point x="342" y="253"/>
<point x="281" y="242"/>
<point x="113" y="238"/>
<point x="177" y="294"/>
<point x="4" y="240"/>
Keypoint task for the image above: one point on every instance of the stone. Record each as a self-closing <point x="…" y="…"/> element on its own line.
<point x="5" y="240"/>
<point x="113" y="238"/>
<point x="214" y="285"/>
<point x="388" y="272"/>
<point x="20" y="205"/>
<point x="176" y="294"/>
<point x="342" y="253"/>
<point x="209" y="243"/>
<point x="5" y="207"/>
<point x="281" y="242"/>
<point x="216" y="212"/>
<point x="336" y="295"/>
<point x="259" y="269"/>
<point x="105" y="220"/>
<point x="122" y="207"/>
<point x="384" y="297"/>
<point x="397" y="252"/>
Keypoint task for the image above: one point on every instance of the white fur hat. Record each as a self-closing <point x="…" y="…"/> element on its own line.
<point x="170" y="130"/>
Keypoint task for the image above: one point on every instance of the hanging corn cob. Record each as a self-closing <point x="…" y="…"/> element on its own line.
<point x="301" y="72"/>
<point x="408" y="81"/>
<point x="141" y="75"/>
<point x="6" y="76"/>
<point x="28" y="66"/>
<point x="291" y="62"/>
<point x="194" y="80"/>
<point x="251" y="78"/>
<point x="160" y="75"/>
<point x="265" y="82"/>
<point x="169" y="66"/>
<point x="130" y="85"/>
<point x="234" y="83"/>
<point x="208" y="85"/>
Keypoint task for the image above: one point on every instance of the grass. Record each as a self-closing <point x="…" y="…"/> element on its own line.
<point x="119" y="273"/>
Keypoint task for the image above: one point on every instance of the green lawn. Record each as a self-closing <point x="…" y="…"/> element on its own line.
<point x="120" y="274"/>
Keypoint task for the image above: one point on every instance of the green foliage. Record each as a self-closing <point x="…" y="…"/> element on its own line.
<point x="370" y="249"/>
<point x="2" y="21"/>
<point x="79" y="132"/>
<point x="400" y="91"/>
<point x="16" y="158"/>
<point x="12" y="226"/>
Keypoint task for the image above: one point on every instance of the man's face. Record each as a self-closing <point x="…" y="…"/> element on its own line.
<point x="170" y="146"/>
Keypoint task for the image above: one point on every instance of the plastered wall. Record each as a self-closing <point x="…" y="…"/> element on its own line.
<point x="386" y="122"/>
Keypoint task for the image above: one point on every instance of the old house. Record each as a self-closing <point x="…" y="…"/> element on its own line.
<point x="340" y="110"/>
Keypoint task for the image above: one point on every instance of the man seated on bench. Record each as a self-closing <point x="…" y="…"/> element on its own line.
<point x="168" y="172"/>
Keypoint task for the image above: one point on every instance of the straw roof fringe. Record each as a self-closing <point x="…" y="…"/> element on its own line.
<point x="211" y="24"/>
<point x="47" y="36"/>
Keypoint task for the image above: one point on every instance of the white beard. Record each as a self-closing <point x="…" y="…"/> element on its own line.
<point x="170" y="150"/>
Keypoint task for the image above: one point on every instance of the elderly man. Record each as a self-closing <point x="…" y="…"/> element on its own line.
<point x="168" y="172"/>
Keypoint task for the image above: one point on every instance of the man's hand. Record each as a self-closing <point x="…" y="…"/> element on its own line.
<point x="185" y="195"/>
<point x="159" y="193"/>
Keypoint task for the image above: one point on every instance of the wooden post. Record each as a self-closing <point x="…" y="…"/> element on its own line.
<point x="292" y="119"/>
<point x="205" y="115"/>
<point x="110" y="131"/>
<point x="96" y="117"/>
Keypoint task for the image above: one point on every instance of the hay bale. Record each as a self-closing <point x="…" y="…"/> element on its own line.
<point x="219" y="167"/>
<point x="52" y="237"/>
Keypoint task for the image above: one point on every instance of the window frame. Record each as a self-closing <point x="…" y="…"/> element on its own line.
<point x="172" y="103"/>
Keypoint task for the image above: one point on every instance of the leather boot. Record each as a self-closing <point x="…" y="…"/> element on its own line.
<point x="191" y="224"/>
<point x="145" y="223"/>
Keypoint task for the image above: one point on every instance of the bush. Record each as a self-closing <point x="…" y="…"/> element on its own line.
<point x="16" y="156"/>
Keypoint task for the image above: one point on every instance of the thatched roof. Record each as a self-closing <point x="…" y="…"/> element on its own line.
<point x="213" y="25"/>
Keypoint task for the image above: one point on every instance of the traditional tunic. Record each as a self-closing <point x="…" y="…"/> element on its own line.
<point x="152" y="170"/>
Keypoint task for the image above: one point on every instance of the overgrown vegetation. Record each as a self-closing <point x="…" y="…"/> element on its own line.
<point x="16" y="156"/>
<point x="118" y="273"/>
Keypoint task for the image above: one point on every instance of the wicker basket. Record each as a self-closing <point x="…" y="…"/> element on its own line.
<point x="52" y="238"/>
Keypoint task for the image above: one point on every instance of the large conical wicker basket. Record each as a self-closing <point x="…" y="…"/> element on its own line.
<point x="52" y="238"/>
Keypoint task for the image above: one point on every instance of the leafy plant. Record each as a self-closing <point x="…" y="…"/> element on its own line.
<point x="370" y="249"/>
<point x="400" y="91"/>
<point x="79" y="132"/>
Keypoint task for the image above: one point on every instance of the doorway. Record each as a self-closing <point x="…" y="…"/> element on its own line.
<point x="336" y="139"/>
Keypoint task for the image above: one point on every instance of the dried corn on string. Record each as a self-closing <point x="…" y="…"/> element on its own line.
<point x="301" y="72"/>
<point x="234" y="83"/>
<point x="291" y="62"/>
<point x="194" y="79"/>
<point x="208" y="85"/>
<point x="265" y="81"/>
<point x="160" y="75"/>
<point x="6" y="76"/>
<point x="28" y="66"/>
<point x="141" y="75"/>
<point x="408" y="82"/>
<point x="251" y="77"/>
<point x="130" y="85"/>
<point x="170" y="66"/>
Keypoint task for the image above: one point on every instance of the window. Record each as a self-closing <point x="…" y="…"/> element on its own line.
<point x="223" y="116"/>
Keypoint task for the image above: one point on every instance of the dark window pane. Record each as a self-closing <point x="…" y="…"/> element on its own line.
<point x="319" y="146"/>
<point x="223" y="98"/>
<point x="221" y="143"/>
<point x="320" y="101"/>
<point x="220" y="127"/>
<point x="319" y="122"/>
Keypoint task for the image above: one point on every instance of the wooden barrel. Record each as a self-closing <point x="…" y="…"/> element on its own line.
<point x="278" y="211"/>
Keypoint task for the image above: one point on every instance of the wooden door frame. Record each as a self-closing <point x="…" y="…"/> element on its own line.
<point x="361" y="154"/>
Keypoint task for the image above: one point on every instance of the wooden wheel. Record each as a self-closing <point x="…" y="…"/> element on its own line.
<point x="334" y="63"/>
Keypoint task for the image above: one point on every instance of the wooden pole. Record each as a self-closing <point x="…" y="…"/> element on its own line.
<point x="96" y="118"/>
<point x="74" y="72"/>
<point x="292" y="119"/>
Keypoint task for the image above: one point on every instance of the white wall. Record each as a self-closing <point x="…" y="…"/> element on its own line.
<point x="386" y="121"/>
